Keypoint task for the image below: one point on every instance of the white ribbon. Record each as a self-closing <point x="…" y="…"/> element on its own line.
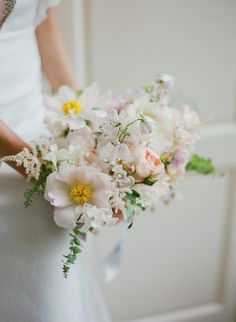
<point x="109" y="267"/>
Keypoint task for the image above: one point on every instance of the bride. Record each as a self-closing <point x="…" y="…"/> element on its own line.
<point x="32" y="286"/>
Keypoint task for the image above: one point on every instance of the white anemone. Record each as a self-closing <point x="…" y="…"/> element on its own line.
<point x="71" y="189"/>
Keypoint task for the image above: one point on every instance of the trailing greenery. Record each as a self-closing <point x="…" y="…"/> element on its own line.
<point x="30" y="193"/>
<point x="200" y="165"/>
<point x="75" y="249"/>
<point x="133" y="201"/>
<point x="37" y="187"/>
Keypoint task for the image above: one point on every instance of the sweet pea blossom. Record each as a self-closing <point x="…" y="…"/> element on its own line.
<point x="111" y="153"/>
<point x="71" y="188"/>
<point x="187" y="130"/>
<point x="147" y="162"/>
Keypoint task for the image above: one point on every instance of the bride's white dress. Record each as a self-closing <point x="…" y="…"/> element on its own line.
<point x="32" y="286"/>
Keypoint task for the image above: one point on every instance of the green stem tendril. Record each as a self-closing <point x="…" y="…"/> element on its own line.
<point x="75" y="249"/>
<point x="124" y="133"/>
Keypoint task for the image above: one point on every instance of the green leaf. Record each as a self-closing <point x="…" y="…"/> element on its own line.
<point x="71" y="258"/>
<point x="65" y="133"/>
<point x="75" y="249"/>
<point x="130" y="225"/>
<point x="149" y="181"/>
<point x="134" y="197"/>
<point x="88" y="122"/>
<point x="160" y="81"/>
<point x="131" y="197"/>
<point x="76" y="241"/>
<point x="76" y="230"/>
<point x="130" y="211"/>
<point x="135" y="193"/>
<point x="141" y="204"/>
<point x="200" y="165"/>
<point x="37" y="187"/>
<point x="147" y="89"/>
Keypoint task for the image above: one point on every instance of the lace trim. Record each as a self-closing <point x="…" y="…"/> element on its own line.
<point x="6" y="7"/>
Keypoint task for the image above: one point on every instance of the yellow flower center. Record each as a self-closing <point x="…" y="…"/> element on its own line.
<point x="72" y="106"/>
<point x="81" y="192"/>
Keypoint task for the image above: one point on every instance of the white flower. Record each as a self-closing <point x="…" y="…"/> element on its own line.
<point x="187" y="129"/>
<point x="65" y="109"/>
<point x="71" y="188"/>
<point x="96" y="218"/>
<point x="111" y="153"/>
<point x="176" y="173"/>
<point x="56" y="155"/>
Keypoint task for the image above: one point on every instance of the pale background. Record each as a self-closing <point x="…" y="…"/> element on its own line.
<point x="180" y="263"/>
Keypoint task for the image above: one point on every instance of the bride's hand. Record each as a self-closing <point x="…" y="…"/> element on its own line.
<point x="10" y="144"/>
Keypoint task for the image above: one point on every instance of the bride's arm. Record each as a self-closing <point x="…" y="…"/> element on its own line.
<point x="10" y="144"/>
<point x="58" y="70"/>
<point x="53" y="51"/>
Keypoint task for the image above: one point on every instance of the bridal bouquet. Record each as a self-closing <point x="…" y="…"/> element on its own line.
<point x="105" y="160"/>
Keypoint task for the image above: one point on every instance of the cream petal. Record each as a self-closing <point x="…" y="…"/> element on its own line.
<point x="101" y="199"/>
<point x="66" y="173"/>
<point x="65" y="93"/>
<point x="52" y="103"/>
<point x="49" y="185"/>
<point x="56" y="192"/>
<point x="65" y="217"/>
<point x="84" y="174"/>
<point x="99" y="180"/>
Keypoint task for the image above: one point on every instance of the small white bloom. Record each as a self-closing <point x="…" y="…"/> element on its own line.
<point x="111" y="153"/>
<point x="96" y="218"/>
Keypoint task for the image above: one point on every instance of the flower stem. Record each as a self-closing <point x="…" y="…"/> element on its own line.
<point x="75" y="249"/>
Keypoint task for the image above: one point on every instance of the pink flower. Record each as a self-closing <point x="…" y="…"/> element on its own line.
<point x="147" y="162"/>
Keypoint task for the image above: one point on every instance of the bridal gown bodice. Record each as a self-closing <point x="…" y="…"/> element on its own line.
<point x="32" y="286"/>
<point x="20" y="78"/>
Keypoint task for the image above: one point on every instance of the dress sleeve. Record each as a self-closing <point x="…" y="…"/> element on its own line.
<point x="42" y="9"/>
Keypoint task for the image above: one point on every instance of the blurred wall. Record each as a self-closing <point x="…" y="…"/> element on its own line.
<point x="180" y="263"/>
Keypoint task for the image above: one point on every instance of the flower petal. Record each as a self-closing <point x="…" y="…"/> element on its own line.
<point x="56" y="192"/>
<point x="65" y="217"/>
<point x="65" y="93"/>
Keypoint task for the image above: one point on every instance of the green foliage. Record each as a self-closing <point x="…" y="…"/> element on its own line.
<point x="133" y="200"/>
<point x="130" y="211"/>
<point x="200" y="165"/>
<point x="37" y="187"/>
<point x="123" y="133"/>
<point x="88" y="122"/>
<point x="130" y="225"/>
<point x="30" y="193"/>
<point x="65" y="133"/>
<point x="148" y="89"/>
<point x="149" y="181"/>
<point x="75" y="249"/>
